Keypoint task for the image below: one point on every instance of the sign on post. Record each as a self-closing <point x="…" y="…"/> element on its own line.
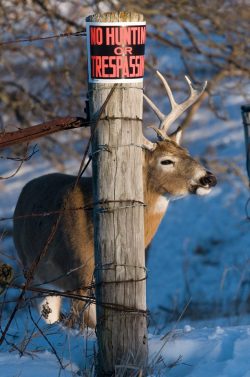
<point x="116" y="51"/>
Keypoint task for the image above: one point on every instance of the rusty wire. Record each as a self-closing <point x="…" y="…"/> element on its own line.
<point x="81" y="297"/>
<point x="26" y="157"/>
<point x="89" y="207"/>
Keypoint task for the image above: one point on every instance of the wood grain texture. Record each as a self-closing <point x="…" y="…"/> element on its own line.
<point x="119" y="227"/>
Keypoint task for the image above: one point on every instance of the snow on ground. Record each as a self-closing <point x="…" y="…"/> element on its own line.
<point x="43" y="364"/>
<point x="206" y="352"/>
<point x="220" y="352"/>
<point x="62" y="353"/>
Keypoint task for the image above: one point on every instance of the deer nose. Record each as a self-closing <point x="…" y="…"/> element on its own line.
<point x="209" y="179"/>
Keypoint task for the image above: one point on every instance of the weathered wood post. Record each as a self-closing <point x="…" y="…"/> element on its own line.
<point x="245" y="110"/>
<point x="116" y="57"/>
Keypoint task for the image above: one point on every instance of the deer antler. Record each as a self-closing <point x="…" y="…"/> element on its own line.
<point x="176" y="109"/>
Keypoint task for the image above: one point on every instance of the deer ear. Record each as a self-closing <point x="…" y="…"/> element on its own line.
<point x="176" y="136"/>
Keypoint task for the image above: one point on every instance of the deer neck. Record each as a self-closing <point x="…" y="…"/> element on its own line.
<point x="156" y="206"/>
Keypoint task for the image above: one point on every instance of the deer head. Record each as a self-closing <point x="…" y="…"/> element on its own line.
<point x="171" y="171"/>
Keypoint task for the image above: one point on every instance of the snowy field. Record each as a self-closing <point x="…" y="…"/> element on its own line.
<point x="198" y="273"/>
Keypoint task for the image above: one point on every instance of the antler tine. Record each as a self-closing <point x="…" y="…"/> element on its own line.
<point x="147" y="144"/>
<point x="178" y="109"/>
<point x="199" y="89"/>
<point x="168" y="90"/>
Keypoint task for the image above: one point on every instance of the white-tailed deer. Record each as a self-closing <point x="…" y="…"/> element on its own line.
<point x="68" y="264"/>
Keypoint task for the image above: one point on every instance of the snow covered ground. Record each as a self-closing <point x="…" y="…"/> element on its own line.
<point x="198" y="273"/>
<point x="208" y="352"/>
<point x="186" y="351"/>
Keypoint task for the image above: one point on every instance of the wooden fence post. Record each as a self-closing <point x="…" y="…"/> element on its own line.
<point x="116" y="51"/>
<point x="245" y="110"/>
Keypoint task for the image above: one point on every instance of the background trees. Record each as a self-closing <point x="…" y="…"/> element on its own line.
<point x="43" y="79"/>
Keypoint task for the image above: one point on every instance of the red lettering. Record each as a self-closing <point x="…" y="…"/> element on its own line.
<point x="99" y="36"/>
<point x="113" y="66"/>
<point x="123" y="50"/>
<point x="132" y="65"/>
<point x="110" y="36"/>
<point x="93" y="66"/>
<point x="96" y="36"/>
<point x="118" y="39"/>
<point x="92" y="36"/>
<point x="128" y="50"/>
<point x="125" y="72"/>
<point x="126" y="35"/>
<point x="98" y="66"/>
<point x="138" y="35"/>
<point x="105" y="64"/>
<point x="134" y="33"/>
<point x="118" y="51"/>
<point x="136" y="64"/>
<point x="117" y="66"/>
<point x="143" y="35"/>
<point x="141" y="66"/>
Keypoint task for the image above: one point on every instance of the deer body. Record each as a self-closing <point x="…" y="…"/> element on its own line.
<point x="68" y="260"/>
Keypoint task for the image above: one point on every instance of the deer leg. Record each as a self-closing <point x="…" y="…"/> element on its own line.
<point x="49" y="308"/>
<point x="90" y="316"/>
<point x="83" y="314"/>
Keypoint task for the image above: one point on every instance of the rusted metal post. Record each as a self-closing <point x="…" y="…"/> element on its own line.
<point x="116" y="57"/>
<point x="245" y="110"/>
<point x="25" y="135"/>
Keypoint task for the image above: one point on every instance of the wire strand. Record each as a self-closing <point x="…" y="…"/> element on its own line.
<point x="38" y="38"/>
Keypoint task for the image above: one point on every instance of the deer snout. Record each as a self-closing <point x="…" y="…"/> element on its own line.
<point x="208" y="180"/>
<point x="204" y="184"/>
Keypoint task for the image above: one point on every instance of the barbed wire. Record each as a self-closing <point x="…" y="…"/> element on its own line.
<point x="129" y="203"/>
<point x="44" y="292"/>
<point x="39" y="38"/>
<point x="24" y="158"/>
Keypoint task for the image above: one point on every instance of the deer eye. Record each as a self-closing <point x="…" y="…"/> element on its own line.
<point x="167" y="162"/>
